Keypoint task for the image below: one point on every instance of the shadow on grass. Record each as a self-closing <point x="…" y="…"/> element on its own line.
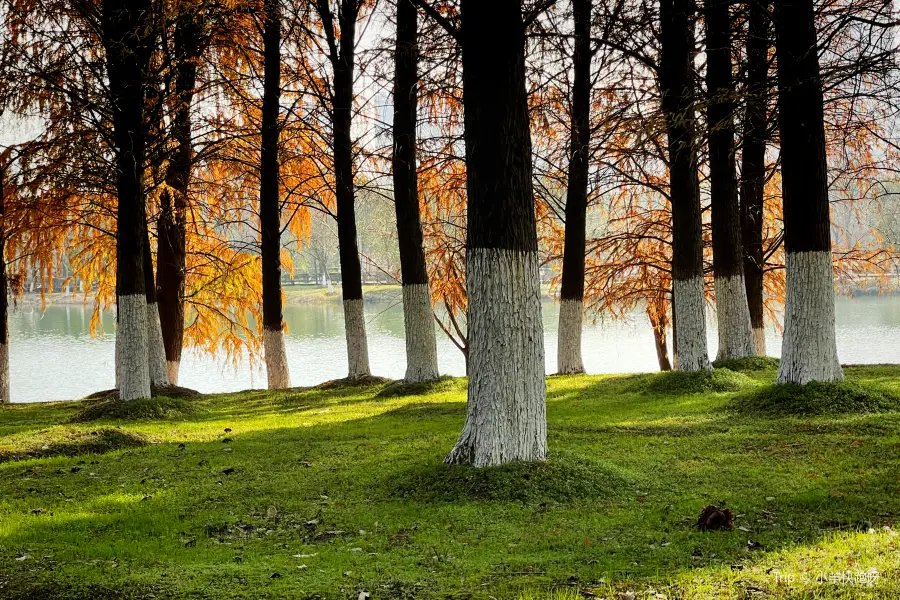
<point x="562" y="479"/>
<point x="816" y="398"/>
<point x="397" y="389"/>
<point x="701" y="382"/>
<point x="113" y="409"/>
<point x="75" y="442"/>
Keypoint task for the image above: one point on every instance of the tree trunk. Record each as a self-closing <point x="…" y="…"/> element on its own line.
<point x="753" y="171"/>
<point x="270" y="205"/>
<point x="676" y="83"/>
<point x="156" y="353"/>
<point x="656" y="312"/>
<point x="4" y="295"/>
<point x="506" y="413"/>
<point x="809" y="352"/>
<point x="351" y="272"/>
<point x="568" y="358"/>
<point x="127" y="37"/>
<point x="171" y="228"/>
<point x="735" y="331"/>
<point x="418" y="318"/>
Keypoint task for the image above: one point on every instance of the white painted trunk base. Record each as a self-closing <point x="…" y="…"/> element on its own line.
<point x="421" y="344"/>
<point x="156" y="351"/>
<point x="759" y="341"/>
<point x="691" y="353"/>
<point x="277" y="374"/>
<point x="809" y="352"/>
<point x="4" y="373"/>
<point x="357" y="346"/>
<point x="118" y="357"/>
<point x="131" y="348"/>
<point x="506" y="416"/>
<point x="568" y="346"/>
<point x="733" y="316"/>
<point x="173" y="366"/>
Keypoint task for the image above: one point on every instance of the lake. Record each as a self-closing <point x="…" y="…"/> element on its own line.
<point x="54" y="357"/>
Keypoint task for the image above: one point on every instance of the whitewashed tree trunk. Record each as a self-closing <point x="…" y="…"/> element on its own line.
<point x="568" y="348"/>
<point x="691" y="353"/>
<point x="421" y="344"/>
<point x="734" y="328"/>
<point x="156" y="351"/>
<point x="118" y="356"/>
<point x="277" y="373"/>
<point x="357" y="345"/>
<point x="506" y="413"/>
<point x="4" y="374"/>
<point x="809" y="351"/>
<point x="132" y="353"/>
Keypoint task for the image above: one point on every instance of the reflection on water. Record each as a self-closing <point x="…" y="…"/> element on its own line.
<point x="54" y="357"/>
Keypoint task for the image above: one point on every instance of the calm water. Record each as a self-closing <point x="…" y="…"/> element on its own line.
<point x="54" y="357"/>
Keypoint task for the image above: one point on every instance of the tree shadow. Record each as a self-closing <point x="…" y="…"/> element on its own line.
<point x="74" y="442"/>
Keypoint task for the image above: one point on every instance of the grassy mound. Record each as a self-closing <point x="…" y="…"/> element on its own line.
<point x="172" y="391"/>
<point x="73" y="442"/>
<point x="112" y="408"/>
<point x="752" y="363"/>
<point x="816" y="398"/>
<point x="399" y="388"/>
<point x="561" y="479"/>
<point x="677" y="382"/>
<point x="347" y="382"/>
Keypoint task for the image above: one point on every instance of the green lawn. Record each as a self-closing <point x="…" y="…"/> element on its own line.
<point x="305" y="294"/>
<point x="325" y="492"/>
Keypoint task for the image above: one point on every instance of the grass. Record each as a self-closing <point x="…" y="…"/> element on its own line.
<point x="324" y="492"/>
<point x="846" y="397"/>
<point x="303" y="294"/>
<point x="677" y="382"/>
<point x="159" y="407"/>
<point x="753" y="363"/>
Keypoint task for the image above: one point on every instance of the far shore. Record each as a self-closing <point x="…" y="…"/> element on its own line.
<point x="300" y="294"/>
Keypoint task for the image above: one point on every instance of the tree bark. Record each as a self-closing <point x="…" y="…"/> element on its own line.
<point x="171" y="258"/>
<point x="676" y="83"/>
<point x="270" y="204"/>
<point x="128" y="39"/>
<point x="734" y="328"/>
<point x="656" y="313"/>
<point x="506" y="413"/>
<point x="344" y="172"/>
<point x="156" y="353"/>
<point x="809" y="351"/>
<point x="753" y="170"/>
<point x="418" y="318"/>
<point x="568" y="359"/>
<point x="4" y="295"/>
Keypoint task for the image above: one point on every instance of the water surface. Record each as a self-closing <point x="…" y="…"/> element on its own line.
<point x="54" y="357"/>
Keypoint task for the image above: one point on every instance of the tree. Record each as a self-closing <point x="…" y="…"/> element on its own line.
<point x="270" y="204"/>
<point x="571" y="308"/>
<point x="506" y="414"/>
<point x="421" y="345"/>
<point x="171" y="261"/>
<point x="341" y="47"/>
<point x="735" y="331"/>
<point x="753" y="164"/>
<point x="4" y="285"/>
<point x="676" y="83"/>
<point x="808" y="352"/>
<point x="128" y="36"/>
